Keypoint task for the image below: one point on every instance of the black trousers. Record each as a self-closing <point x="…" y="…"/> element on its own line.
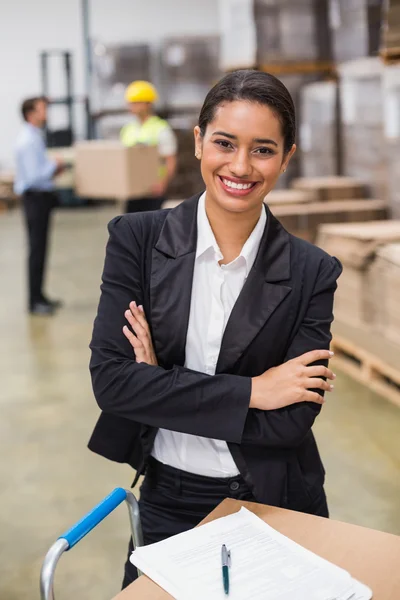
<point x="172" y="501"/>
<point x="145" y="203"/>
<point x="37" y="209"/>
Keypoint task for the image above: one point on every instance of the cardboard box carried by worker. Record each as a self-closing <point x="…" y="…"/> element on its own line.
<point x="107" y="169"/>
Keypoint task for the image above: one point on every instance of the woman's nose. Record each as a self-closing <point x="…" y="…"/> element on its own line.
<point x="240" y="165"/>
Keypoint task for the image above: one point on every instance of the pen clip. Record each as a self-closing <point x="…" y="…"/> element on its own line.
<point x="229" y="560"/>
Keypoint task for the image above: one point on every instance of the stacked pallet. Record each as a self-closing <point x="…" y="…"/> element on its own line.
<point x="315" y="201"/>
<point x="292" y="31"/>
<point x="385" y="275"/>
<point x="187" y="180"/>
<point x="358" y="300"/>
<point x="295" y="83"/>
<point x="364" y="148"/>
<point x="7" y="196"/>
<point x="318" y="131"/>
<point x="391" y="92"/>
<point x="325" y="200"/>
<point x="355" y="28"/>
<point x="390" y="48"/>
<point x="366" y="330"/>
<point x="190" y="67"/>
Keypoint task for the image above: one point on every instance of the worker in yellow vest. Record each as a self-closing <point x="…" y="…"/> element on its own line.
<point x="150" y="130"/>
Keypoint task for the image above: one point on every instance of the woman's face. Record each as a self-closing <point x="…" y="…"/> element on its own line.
<point x="241" y="155"/>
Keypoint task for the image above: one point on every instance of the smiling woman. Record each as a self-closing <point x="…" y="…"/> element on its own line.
<point x="210" y="348"/>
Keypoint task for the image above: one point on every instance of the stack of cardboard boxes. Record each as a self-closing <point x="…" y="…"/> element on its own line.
<point x="329" y="200"/>
<point x="369" y="287"/>
<point x="385" y="274"/>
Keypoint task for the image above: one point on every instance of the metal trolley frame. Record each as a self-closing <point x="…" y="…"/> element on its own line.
<point x="78" y="531"/>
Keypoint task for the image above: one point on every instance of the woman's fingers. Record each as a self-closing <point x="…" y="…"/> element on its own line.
<point x="313" y="356"/>
<point x="131" y="337"/>
<point x="138" y="313"/>
<point x="136" y="325"/>
<point x="320" y="371"/>
<point x="312" y="397"/>
<point x="317" y="383"/>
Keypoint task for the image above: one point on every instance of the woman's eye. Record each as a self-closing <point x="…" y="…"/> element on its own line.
<point x="223" y="143"/>
<point x="264" y="150"/>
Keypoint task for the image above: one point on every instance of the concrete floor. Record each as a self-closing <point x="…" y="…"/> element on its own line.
<point x="49" y="478"/>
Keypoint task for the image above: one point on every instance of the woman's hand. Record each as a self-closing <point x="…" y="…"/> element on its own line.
<point x="292" y="382"/>
<point x="141" y="342"/>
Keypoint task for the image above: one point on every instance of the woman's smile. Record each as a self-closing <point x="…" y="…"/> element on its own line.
<point x="235" y="186"/>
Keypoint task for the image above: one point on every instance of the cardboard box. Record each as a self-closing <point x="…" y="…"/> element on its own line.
<point x="106" y="169"/>
<point x="304" y="220"/>
<point x="286" y="196"/>
<point x="331" y="188"/>
<point x="385" y="291"/>
<point x="358" y="299"/>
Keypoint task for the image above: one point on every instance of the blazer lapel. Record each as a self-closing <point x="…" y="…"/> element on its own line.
<point x="171" y="282"/>
<point x="265" y="288"/>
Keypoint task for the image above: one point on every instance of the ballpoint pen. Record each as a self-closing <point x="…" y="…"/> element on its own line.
<point x="226" y="563"/>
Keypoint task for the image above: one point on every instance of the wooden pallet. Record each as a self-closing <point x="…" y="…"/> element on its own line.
<point x="366" y="367"/>
<point x="305" y="67"/>
<point x="390" y="56"/>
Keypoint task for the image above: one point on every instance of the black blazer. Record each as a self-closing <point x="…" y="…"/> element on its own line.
<point x="283" y="310"/>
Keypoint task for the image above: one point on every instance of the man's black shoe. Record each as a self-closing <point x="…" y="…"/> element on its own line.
<point x="41" y="308"/>
<point x="54" y="303"/>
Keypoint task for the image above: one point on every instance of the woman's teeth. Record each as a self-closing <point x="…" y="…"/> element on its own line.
<point x="237" y="186"/>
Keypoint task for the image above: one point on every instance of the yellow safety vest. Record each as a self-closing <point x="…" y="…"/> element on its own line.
<point x="146" y="133"/>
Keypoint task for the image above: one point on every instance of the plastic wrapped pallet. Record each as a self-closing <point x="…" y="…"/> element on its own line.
<point x="295" y="84"/>
<point x="190" y="66"/>
<point x="318" y="131"/>
<point x="364" y="148"/>
<point x="391" y="89"/>
<point x="356" y="245"/>
<point x="355" y="26"/>
<point x="114" y="67"/>
<point x="292" y="31"/>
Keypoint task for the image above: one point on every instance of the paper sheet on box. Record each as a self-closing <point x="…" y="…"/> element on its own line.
<point x="265" y="565"/>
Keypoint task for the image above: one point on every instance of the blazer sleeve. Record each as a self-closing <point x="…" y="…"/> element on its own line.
<point x="178" y="399"/>
<point x="287" y="427"/>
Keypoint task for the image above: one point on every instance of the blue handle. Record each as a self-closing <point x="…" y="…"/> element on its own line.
<point x="94" y="517"/>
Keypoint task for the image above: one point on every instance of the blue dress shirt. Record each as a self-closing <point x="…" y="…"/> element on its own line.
<point x="34" y="170"/>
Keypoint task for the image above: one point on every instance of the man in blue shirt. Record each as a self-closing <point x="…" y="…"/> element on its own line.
<point x="34" y="182"/>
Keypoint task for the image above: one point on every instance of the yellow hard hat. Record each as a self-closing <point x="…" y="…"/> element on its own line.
<point x="141" y="91"/>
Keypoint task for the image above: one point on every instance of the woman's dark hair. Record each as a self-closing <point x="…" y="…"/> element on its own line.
<point x="253" y="86"/>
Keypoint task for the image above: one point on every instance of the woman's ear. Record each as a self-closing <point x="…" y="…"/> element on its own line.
<point x="198" y="142"/>
<point x="287" y="157"/>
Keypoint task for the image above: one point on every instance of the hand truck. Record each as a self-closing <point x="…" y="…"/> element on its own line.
<point x="78" y="531"/>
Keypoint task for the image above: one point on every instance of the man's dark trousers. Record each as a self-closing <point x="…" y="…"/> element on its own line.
<point x="38" y="206"/>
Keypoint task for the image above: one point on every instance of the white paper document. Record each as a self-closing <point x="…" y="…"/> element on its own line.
<point x="266" y="565"/>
